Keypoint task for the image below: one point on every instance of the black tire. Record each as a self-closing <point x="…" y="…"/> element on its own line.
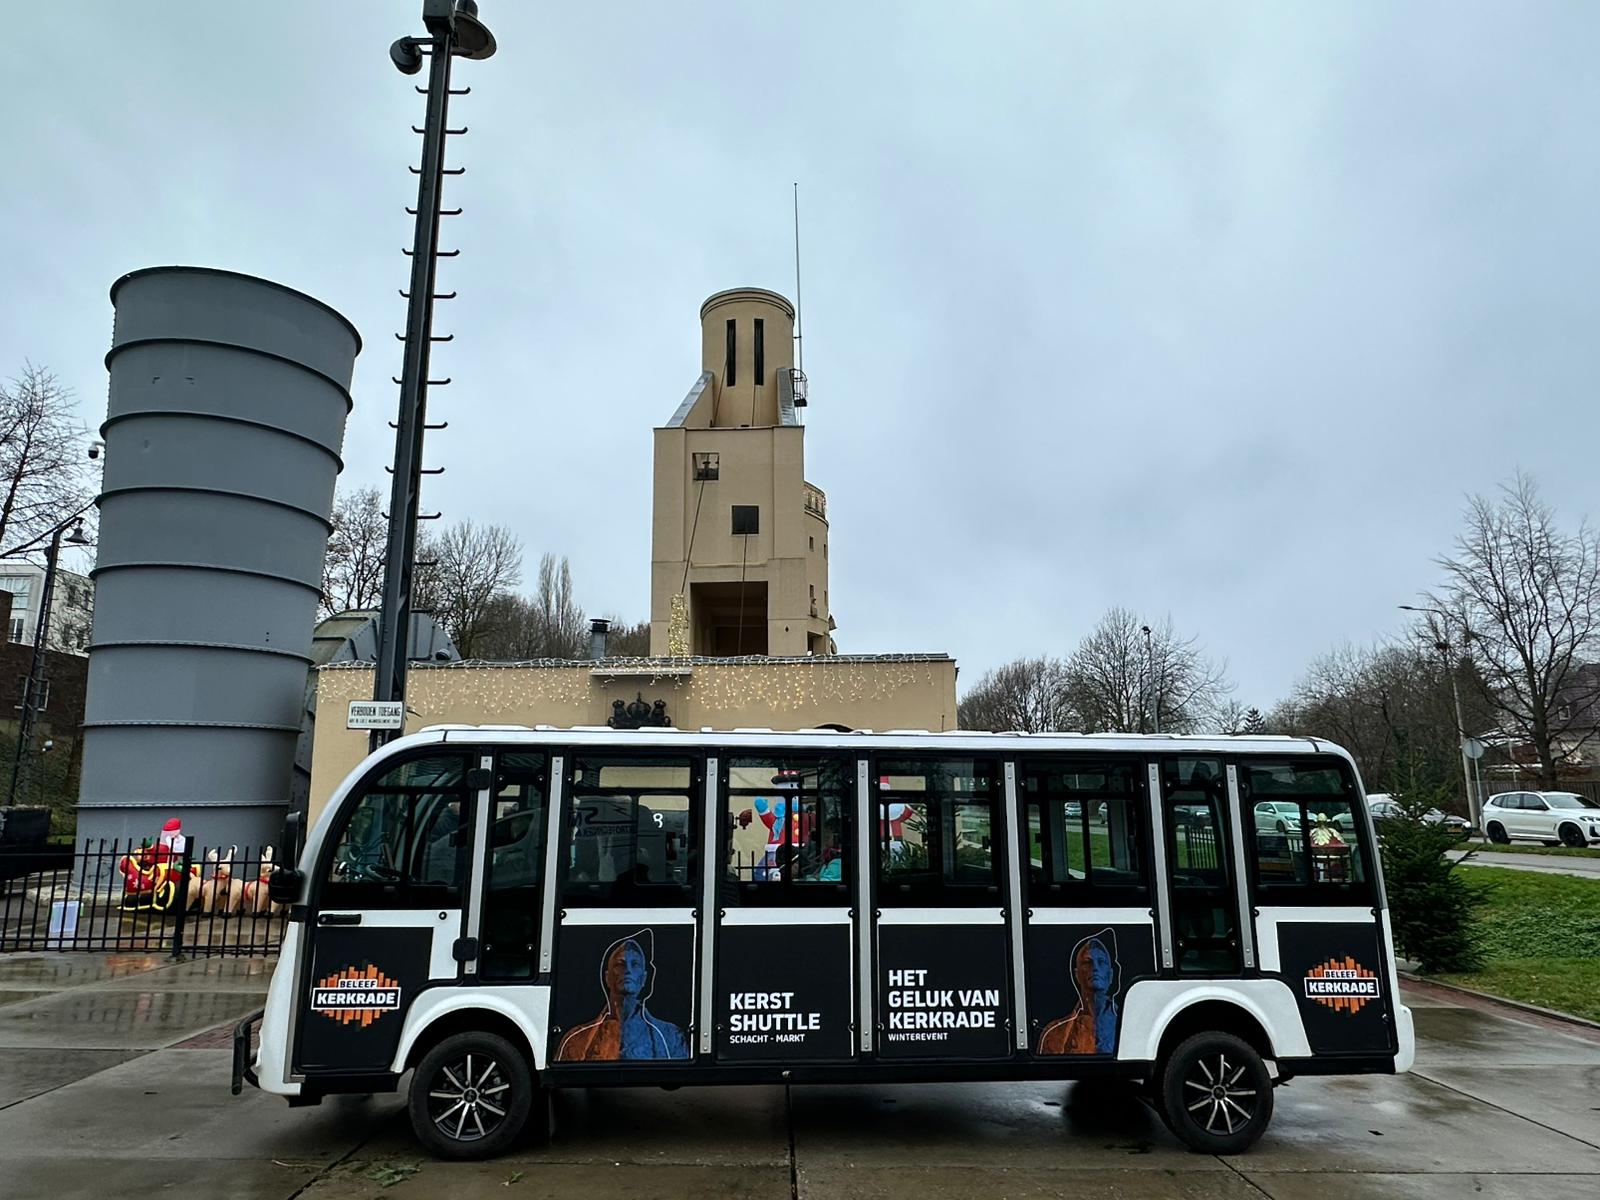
<point x="1571" y="835"/>
<point x="1497" y="833"/>
<point x="470" y="1111"/>
<point x="1216" y="1095"/>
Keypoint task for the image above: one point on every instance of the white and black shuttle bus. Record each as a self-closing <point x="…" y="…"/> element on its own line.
<point x="504" y="911"/>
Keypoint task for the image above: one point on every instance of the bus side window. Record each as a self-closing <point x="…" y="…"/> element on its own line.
<point x="404" y="843"/>
<point x="786" y="838"/>
<point x="630" y="832"/>
<point x="1086" y="830"/>
<point x="1305" y="833"/>
<point x="936" y="832"/>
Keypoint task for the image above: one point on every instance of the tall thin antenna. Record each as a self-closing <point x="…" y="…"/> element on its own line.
<point x="799" y="320"/>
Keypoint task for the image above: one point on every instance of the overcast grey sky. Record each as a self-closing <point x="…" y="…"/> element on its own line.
<point x="1209" y="309"/>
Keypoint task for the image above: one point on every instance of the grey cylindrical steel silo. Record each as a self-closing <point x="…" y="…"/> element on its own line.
<point x="228" y="401"/>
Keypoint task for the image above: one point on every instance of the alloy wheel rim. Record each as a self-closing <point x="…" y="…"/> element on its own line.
<point x="467" y="1098"/>
<point x="1217" y="1095"/>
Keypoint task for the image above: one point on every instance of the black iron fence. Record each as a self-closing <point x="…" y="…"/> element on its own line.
<point x="112" y="895"/>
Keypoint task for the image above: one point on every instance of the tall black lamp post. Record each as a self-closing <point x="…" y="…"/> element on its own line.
<point x="33" y="687"/>
<point x="454" y="31"/>
<point x="1442" y="645"/>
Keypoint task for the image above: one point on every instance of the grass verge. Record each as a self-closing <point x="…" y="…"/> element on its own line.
<point x="1520" y="848"/>
<point x="1541" y="940"/>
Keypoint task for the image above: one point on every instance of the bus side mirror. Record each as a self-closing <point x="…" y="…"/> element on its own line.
<point x="289" y="844"/>
<point x="284" y="886"/>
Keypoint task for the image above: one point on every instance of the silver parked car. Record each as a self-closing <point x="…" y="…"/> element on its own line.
<point x="1382" y="806"/>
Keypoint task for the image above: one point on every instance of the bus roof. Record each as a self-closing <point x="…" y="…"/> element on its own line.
<point x="897" y="739"/>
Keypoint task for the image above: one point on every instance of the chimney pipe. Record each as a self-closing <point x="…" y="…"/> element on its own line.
<point x="598" y="628"/>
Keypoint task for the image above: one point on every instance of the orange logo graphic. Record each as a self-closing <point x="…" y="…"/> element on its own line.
<point x="356" y="994"/>
<point x="1344" y="985"/>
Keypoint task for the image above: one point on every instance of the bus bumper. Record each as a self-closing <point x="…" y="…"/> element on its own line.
<point x="242" y="1071"/>
<point x="1405" y="1039"/>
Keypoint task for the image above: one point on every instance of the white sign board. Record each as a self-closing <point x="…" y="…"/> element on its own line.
<point x="376" y="714"/>
<point x="63" y="928"/>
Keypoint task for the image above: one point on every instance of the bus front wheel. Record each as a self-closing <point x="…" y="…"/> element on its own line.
<point x="470" y="1096"/>
<point x="1216" y="1095"/>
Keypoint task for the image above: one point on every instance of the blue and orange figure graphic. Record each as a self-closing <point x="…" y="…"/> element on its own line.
<point x="625" y="1031"/>
<point x="1091" y="1027"/>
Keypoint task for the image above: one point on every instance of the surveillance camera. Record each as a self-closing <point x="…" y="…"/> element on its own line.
<point x="96" y="449"/>
<point x="405" y="56"/>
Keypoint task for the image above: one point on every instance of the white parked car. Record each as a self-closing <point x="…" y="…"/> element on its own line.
<point x="1555" y="818"/>
<point x="1277" y="816"/>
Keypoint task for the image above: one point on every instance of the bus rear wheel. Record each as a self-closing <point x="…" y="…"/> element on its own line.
<point x="1216" y="1095"/>
<point x="470" y="1096"/>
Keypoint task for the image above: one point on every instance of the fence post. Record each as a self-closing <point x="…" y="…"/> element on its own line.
<point x="181" y="901"/>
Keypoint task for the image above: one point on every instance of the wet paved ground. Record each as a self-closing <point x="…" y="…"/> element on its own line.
<point x="106" y="1088"/>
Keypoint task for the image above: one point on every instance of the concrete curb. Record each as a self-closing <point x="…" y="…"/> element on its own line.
<point x="1489" y="997"/>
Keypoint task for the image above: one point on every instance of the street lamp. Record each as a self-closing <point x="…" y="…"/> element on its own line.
<point x="1443" y="646"/>
<point x="454" y="31"/>
<point x="33" y="686"/>
<point x="1149" y="661"/>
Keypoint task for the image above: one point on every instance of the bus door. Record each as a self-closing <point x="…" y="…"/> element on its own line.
<point x="783" y="951"/>
<point x="509" y="921"/>
<point x="624" y="953"/>
<point x="941" y="909"/>
<point x="1203" y="933"/>
<point x="1089" y="929"/>
<point x="385" y="912"/>
<point x="1309" y="854"/>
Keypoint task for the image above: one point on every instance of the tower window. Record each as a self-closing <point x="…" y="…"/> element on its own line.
<point x="706" y="467"/>
<point x="729" y="372"/>
<point x="761" y="352"/>
<point x="746" y="518"/>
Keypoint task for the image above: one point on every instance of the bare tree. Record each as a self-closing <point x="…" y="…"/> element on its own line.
<point x="468" y="567"/>
<point x="352" y="573"/>
<point x="43" y="470"/>
<point x="1030" y="695"/>
<point x="563" y="629"/>
<point x="1389" y="705"/>
<point x="1131" y="676"/>
<point x="627" y="639"/>
<point x="1525" y="599"/>
<point x="509" y="631"/>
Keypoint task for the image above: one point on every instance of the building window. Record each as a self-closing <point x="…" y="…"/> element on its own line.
<point x="16" y="629"/>
<point x="22" y="690"/>
<point x="729" y="374"/>
<point x="761" y="352"/>
<point x="706" y="467"/>
<point x="746" y="518"/>
<point x="811" y="543"/>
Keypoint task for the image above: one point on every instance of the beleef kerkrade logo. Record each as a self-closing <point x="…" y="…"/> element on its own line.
<point x="356" y="994"/>
<point x="1344" y="985"/>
